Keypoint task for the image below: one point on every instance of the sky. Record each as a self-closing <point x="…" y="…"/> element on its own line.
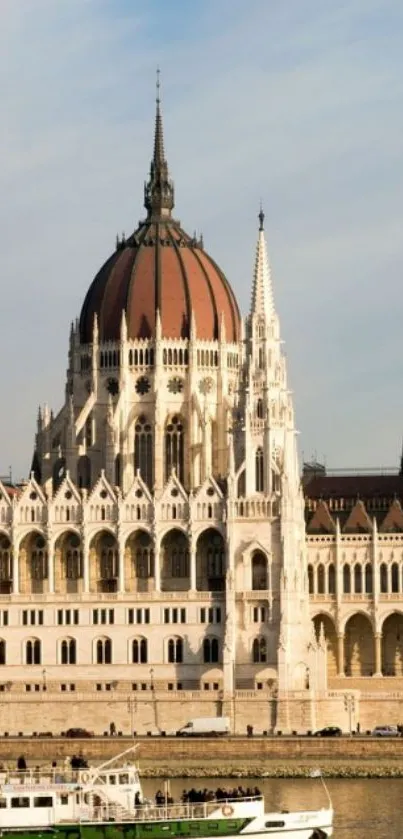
<point x="297" y="104"/>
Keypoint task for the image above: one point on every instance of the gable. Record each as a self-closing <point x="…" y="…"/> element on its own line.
<point x="358" y="520"/>
<point x="321" y="521"/>
<point x="393" y="521"/>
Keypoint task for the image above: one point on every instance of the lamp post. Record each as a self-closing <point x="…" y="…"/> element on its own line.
<point x="349" y="705"/>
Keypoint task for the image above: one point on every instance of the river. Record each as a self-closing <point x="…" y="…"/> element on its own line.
<point x="370" y="809"/>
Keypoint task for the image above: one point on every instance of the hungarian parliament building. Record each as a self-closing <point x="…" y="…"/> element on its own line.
<point x="166" y="559"/>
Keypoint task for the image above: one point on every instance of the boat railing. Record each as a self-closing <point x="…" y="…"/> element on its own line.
<point x="40" y="777"/>
<point x="221" y="808"/>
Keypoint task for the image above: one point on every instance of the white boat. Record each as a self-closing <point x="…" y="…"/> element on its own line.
<point x="107" y="802"/>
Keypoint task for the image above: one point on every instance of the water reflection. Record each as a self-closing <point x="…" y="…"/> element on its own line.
<point x="363" y="809"/>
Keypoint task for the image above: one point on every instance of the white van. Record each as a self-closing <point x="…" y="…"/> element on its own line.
<point x="205" y="727"/>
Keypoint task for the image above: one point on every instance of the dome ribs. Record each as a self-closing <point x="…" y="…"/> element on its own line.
<point x="185" y="326"/>
<point x="212" y="296"/>
<point x="232" y="305"/>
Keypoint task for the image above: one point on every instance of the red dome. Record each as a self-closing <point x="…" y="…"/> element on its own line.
<point x="160" y="268"/>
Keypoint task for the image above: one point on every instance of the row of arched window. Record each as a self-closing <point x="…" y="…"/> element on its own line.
<point x="139" y="651"/>
<point x="357" y="579"/>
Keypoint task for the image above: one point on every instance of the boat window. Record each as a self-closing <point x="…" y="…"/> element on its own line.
<point x="112" y="779"/>
<point x="124" y="779"/>
<point x="274" y="824"/>
<point x="64" y="799"/>
<point x="3" y="803"/>
<point x="21" y="801"/>
<point x="43" y="801"/>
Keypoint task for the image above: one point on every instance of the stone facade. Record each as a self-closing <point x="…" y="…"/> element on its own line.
<point x="157" y="565"/>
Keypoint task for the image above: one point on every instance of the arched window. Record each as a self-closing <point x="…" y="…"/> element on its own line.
<point x="175" y="650"/>
<point x="2" y="652"/>
<point x="144" y="556"/>
<point x="259" y="650"/>
<point x="39" y="559"/>
<point x="384" y="578"/>
<point x="259" y="572"/>
<point x="139" y="651"/>
<point x="68" y="651"/>
<point x="73" y="557"/>
<point x="321" y="579"/>
<point x="84" y="472"/>
<point x="310" y="580"/>
<point x="103" y="651"/>
<point x="395" y="577"/>
<point x="331" y="579"/>
<point x="118" y="470"/>
<point x="33" y="652"/>
<point x="259" y="409"/>
<point x="143" y="450"/>
<point x="346" y="579"/>
<point x="368" y="578"/>
<point x="174" y="449"/>
<point x="210" y="651"/>
<point x="358" y="579"/>
<point x="109" y="561"/>
<point x="6" y="574"/>
<point x="259" y="471"/>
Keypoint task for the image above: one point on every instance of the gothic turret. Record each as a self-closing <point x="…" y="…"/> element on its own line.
<point x="159" y="189"/>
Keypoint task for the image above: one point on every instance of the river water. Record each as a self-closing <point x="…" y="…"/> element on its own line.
<point x="370" y="809"/>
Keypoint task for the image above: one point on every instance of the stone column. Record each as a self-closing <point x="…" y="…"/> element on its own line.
<point x="86" y="563"/>
<point x="16" y="566"/>
<point x="51" y="566"/>
<point x="192" y="546"/>
<point x="157" y="564"/>
<point x="121" y="575"/>
<point x="340" y="654"/>
<point x="378" y="654"/>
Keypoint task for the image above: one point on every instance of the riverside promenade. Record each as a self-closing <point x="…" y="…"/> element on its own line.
<point x="237" y="757"/>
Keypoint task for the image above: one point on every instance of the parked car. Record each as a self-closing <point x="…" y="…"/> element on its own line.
<point x="329" y="731"/>
<point x="385" y="731"/>
<point x="78" y="732"/>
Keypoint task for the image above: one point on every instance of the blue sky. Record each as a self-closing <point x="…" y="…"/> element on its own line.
<point x="296" y="103"/>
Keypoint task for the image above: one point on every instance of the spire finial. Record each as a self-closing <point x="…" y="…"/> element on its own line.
<point x="159" y="190"/>
<point x="261" y="217"/>
<point x="158" y="85"/>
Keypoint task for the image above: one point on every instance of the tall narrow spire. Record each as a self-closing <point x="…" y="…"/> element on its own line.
<point x="262" y="291"/>
<point x="159" y="189"/>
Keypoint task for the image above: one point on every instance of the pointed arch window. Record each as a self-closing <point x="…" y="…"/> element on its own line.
<point x="260" y="580"/>
<point x="139" y="651"/>
<point x="368" y="578"/>
<point x="358" y="579"/>
<point x="346" y="579"/>
<point x="321" y="579"/>
<point x="33" y="652"/>
<point x="259" y="650"/>
<point x="174" y="449"/>
<point x="2" y="652"/>
<point x="39" y="559"/>
<point x="103" y="651"/>
<point x="310" y="580"/>
<point x="331" y="580"/>
<point x="259" y="409"/>
<point x="175" y="650"/>
<point x="384" y="578"/>
<point x="395" y="577"/>
<point x="143" y="450"/>
<point x="210" y="651"/>
<point x="68" y="651"/>
<point x="259" y="470"/>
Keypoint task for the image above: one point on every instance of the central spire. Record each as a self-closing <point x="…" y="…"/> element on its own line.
<point x="159" y="189"/>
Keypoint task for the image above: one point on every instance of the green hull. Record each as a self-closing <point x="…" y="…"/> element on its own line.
<point x="134" y="830"/>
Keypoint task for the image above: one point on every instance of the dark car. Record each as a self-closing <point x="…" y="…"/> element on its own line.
<point x="78" y="732"/>
<point x="329" y="731"/>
